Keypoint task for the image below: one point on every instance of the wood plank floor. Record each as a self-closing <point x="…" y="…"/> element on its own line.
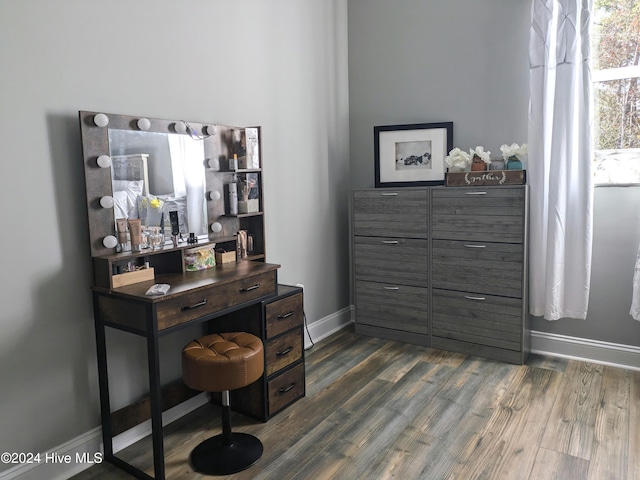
<point x="378" y="409"/>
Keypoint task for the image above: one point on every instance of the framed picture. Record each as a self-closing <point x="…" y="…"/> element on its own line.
<point x="411" y="155"/>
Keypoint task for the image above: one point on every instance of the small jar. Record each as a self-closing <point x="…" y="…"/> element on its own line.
<point x="478" y="165"/>
<point x="513" y="163"/>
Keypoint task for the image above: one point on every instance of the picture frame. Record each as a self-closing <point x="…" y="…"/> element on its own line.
<point x="411" y="154"/>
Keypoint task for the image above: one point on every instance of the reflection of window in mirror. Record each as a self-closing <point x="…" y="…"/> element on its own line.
<point x="169" y="167"/>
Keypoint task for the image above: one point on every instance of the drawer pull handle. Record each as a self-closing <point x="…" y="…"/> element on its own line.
<point x="479" y="299"/>
<point x="195" y="305"/>
<point x="475" y="193"/>
<point x="248" y="289"/>
<point x="284" y="352"/>
<point x="390" y="194"/>
<point x="286" y="315"/>
<point x="391" y="288"/>
<point x="285" y="390"/>
<point x="476" y="246"/>
<point x="390" y="242"/>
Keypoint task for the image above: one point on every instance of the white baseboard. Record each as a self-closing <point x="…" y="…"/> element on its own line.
<point x="328" y="325"/>
<point x="584" y="349"/>
<point x="88" y="447"/>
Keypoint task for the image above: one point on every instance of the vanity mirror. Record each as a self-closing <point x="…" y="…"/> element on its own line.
<point x="148" y="168"/>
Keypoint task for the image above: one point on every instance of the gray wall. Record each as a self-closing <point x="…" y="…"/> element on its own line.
<point x="280" y="64"/>
<point x="466" y="61"/>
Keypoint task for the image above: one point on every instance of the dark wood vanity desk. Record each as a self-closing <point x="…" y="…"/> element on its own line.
<point x="127" y="160"/>
<point x="229" y="292"/>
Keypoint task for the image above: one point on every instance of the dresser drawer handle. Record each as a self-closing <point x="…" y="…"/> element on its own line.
<point x="476" y="246"/>
<point x="284" y="352"/>
<point x="391" y="288"/>
<point x="390" y="242"/>
<point x="285" y="390"/>
<point x="390" y="194"/>
<point x="478" y="299"/>
<point x="248" y="289"/>
<point x="195" y="305"/>
<point x="475" y="193"/>
<point x="286" y="315"/>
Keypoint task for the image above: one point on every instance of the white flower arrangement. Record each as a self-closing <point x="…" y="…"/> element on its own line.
<point x="481" y="154"/>
<point x="514" y="150"/>
<point x="458" y="159"/>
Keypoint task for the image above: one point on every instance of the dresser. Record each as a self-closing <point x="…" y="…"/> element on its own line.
<point x="444" y="267"/>
<point x="391" y="263"/>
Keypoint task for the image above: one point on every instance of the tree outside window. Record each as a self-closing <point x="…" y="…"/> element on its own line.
<point x="616" y="76"/>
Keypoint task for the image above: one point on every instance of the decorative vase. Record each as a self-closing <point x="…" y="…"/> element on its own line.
<point x="478" y="165"/>
<point x="496" y="165"/>
<point x="513" y="163"/>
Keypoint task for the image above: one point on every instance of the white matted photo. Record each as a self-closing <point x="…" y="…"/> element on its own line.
<point x="411" y="155"/>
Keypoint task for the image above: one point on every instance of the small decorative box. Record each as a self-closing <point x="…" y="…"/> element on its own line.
<point x="200" y="258"/>
<point x="225" y="257"/>
<point x="249" y="206"/>
<point x="491" y="177"/>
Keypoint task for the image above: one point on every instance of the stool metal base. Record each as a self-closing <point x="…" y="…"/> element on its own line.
<point x="216" y="457"/>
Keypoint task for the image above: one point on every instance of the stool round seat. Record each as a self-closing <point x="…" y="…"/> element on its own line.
<point x="222" y="361"/>
<point x="218" y="363"/>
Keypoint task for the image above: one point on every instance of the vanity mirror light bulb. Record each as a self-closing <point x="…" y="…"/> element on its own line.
<point x="214" y="195"/>
<point x="104" y="161"/>
<point x="213" y="163"/>
<point x="216" y="227"/>
<point x="110" y="241"/>
<point x="101" y="120"/>
<point x="210" y="129"/>
<point x="180" y="127"/>
<point x="144" y="124"/>
<point x="106" y="201"/>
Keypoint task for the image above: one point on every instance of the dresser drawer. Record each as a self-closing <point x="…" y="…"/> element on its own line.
<point x="483" y="214"/>
<point x="480" y="267"/>
<point x="283" y="315"/>
<point x="285" y="388"/>
<point x="215" y="298"/>
<point x="480" y="319"/>
<point x="283" y="351"/>
<point x="395" y="260"/>
<point x="399" y="307"/>
<point x="391" y="213"/>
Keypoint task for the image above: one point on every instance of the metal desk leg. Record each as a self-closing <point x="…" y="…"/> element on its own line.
<point x="156" y="401"/>
<point x="103" y="382"/>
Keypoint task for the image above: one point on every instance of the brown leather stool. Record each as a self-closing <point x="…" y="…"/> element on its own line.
<point x="218" y="363"/>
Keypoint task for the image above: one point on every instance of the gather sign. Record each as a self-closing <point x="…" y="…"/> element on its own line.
<point x="491" y="177"/>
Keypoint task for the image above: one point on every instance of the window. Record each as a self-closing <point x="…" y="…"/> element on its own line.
<point x="616" y="76"/>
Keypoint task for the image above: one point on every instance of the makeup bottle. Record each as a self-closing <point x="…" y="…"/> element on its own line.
<point x="135" y="230"/>
<point x="175" y="227"/>
<point x="233" y="198"/>
<point x="121" y="226"/>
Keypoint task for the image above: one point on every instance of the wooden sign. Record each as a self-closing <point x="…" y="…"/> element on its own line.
<point x="490" y="177"/>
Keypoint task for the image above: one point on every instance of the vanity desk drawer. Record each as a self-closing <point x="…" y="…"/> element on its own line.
<point x="193" y="305"/>
<point x="285" y="389"/>
<point x="278" y="321"/>
<point x="283" y="315"/>
<point x="283" y="351"/>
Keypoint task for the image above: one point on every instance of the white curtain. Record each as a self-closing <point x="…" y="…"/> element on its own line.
<point x="635" y="302"/>
<point x="560" y="159"/>
<point x="187" y="163"/>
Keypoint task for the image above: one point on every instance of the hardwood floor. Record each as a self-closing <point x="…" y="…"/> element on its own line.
<point x="377" y="409"/>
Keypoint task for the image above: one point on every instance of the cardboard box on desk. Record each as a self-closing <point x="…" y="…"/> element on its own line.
<point x="225" y="257"/>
